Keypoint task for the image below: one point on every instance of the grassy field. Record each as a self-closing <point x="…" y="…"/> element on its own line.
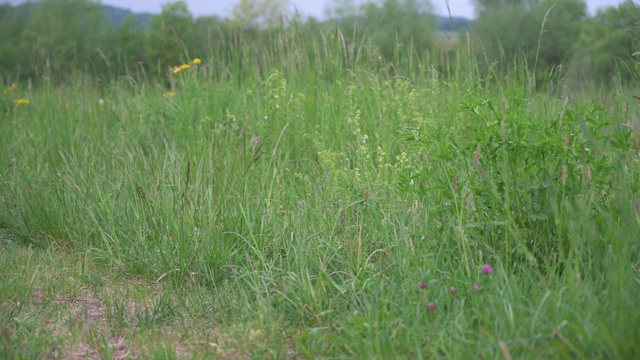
<point x="315" y="202"/>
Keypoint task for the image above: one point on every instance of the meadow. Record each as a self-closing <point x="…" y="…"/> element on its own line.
<point x="315" y="201"/>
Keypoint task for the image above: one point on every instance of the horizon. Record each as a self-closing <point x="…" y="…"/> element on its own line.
<point x="317" y="9"/>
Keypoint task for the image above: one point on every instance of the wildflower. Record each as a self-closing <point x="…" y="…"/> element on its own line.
<point x="168" y="94"/>
<point x="432" y="306"/>
<point x="177" y="69"/>
<point x="453" y="290"/>
<point x="19" y="102"/>
<point x="422" y="285"/>
<point x="196" y="61"/>
<point x="100" y="101"/>
<point x="486" y="269"/>
<point x="476" y="287"/>
<point x="356" y="313"/>
<point x="9" y="89"/>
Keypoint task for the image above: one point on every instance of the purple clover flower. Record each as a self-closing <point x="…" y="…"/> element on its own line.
<point x="453" y="290"/>
<point x="422" y="285"/>
<point x="432" y="306"/>
<point x="476" y="287"/>
<point x="486" y="269"/>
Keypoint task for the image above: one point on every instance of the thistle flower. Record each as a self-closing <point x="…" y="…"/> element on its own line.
<point x="453" y="290"/>
<point x="432" y="306"/>
<point x="476" y="287"/>
<point x="422" y="285"/>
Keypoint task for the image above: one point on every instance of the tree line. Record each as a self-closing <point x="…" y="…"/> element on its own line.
<point x="555" y="38"/>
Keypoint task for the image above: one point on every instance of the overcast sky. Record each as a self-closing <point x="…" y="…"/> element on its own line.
<point x="306" y="7"/>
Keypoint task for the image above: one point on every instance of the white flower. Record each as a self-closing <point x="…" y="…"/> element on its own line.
<point x="100" y="101"/>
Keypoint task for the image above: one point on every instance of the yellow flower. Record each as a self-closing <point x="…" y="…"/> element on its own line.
<point x="177" y="69"/>
<point x="9" y="89"/>
<point x="196" y="61"/>
<point x="19" y="102"/>
<point x="168" y="94"/>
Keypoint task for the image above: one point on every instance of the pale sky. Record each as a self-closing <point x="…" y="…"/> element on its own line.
<point x="306" y="7"/>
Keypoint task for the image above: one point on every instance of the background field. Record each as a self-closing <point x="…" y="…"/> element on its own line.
<point x="314" y="200"/>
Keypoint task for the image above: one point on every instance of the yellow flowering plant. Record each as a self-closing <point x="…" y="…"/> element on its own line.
<point x="9" y="89"/>
<point x="179" y="68"/>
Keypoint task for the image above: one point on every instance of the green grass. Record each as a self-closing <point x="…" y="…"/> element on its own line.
<point x="288" y="206"/>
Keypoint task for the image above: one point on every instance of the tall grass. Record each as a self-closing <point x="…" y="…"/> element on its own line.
<point x="316" y="186"/>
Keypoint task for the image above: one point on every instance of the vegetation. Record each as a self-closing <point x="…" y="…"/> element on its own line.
<point x="557" y="38"/>
<point x="296" y="194"/>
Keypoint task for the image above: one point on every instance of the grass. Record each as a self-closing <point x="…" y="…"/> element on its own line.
<point x="313" y="202"/>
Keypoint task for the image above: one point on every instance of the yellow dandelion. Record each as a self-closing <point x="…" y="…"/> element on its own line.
<point x="9" y="89"/>
<point x="19" y="102"/>
<point x="168" y="94"/>
<point x="177" y="69"/>
<point x="196" y="61"/>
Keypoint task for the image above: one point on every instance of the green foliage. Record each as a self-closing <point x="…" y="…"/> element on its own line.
<point x="611" y="38"/>
<point x="295" y="195"/>
<point x="11" y="29"/>
<point x="545" y="35"/>
<point x="259" y="13"/>
<point x="125" y="46"/>
<point x="391" y="24"/>
<point x="62" y="35"/>
<point x="400" y="23"/>
<point x="168" y="36"/>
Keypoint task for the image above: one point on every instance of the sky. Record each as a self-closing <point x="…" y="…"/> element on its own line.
<point x="314" y="8"/>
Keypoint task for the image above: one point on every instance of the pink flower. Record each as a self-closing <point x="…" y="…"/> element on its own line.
<point x="453" y="290"/>
<point x="422" y="285"/>
<point x="432" y="306"/>
<point x="486" y="269"/>
<point x="476" y="287"/>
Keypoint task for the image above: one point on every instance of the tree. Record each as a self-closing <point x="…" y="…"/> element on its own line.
<point x="612" y="38"/>
<point x="545" y="35"/>
<point x="64" y="33"/>
<point x="169" y="36"/>
<point x="126" y="44"/>
<point x="259" y="13"/>
<point x="400" y="23"/>
<point x="493" y="5"/>
<point x="391" y="24"/>
<point x="11" y="28"/>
